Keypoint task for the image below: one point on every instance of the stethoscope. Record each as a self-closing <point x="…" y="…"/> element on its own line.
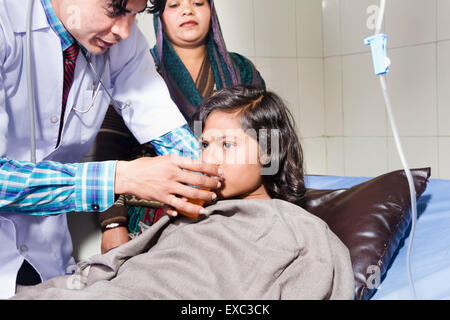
<point x="31" y="99"/>
<point x="87" y="56"/>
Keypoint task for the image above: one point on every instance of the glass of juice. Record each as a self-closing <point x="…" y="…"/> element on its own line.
<point x="197" y="202"/>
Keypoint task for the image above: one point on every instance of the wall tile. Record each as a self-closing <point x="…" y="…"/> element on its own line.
<point x="311" y="97"/>
<point x="145" y="24"/>
<point x="275" y="28"/>
<point x="331" y="27"/>
<point x="237" y="25"/>
<point x="334" y="116"/>
<point x="443" y="70"/>
<point x="444" y="158"/>
<point x="364" y="110"/>
<point x="309" y="28"/>
<point x="419" y="153"/>
<point x="365" y="156"/>
<point x="443" y="22"/>
<point x="410" y="22"/>
<point x="280" y="75"/>
<point x="335" y="156"/>
<point x="412" y="87"/>
<point x="314" y="152"/>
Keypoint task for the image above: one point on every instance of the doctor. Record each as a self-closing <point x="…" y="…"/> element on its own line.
<point x="70" y="107"/>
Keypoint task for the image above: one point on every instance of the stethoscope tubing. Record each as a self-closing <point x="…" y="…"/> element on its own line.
<point x="31" y="100"/>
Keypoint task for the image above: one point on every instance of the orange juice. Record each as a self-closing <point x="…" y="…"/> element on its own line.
<point x="197" y="202"/>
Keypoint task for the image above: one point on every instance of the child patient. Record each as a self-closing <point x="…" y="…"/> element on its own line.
<point x="240" y="126"/>
<point x="255" y="242"/>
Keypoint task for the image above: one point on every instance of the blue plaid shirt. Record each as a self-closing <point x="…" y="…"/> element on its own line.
<point x="56" y="25"/>
<point x="52" y="188"/>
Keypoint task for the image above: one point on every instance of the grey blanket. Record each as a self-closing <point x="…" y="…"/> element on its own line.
<point x="241" y="249"/>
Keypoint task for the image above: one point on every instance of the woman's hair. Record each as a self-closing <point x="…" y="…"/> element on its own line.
<point x="157" y="6"/>
<point x="263" y="111"/>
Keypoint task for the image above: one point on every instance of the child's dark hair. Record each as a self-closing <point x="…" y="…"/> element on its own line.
<point x="261" y="109"/>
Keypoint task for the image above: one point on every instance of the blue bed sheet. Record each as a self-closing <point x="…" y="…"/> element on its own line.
<point x="431" y="247"/>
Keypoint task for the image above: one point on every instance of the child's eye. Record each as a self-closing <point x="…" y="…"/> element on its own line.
<point x="204" y="145"/>
<point x="227" y="145"/>
<point x="199" y="3"/>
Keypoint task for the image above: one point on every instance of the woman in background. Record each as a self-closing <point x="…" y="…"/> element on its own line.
<point x="191" y="56"/>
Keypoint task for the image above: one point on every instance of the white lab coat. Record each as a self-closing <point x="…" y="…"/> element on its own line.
<point x="131" y="75"/>
<point x="3" y="130"/>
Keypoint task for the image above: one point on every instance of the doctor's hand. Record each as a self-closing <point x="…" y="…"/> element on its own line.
<point x="163" y="179"/>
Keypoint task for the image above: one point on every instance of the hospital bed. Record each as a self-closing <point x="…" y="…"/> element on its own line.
<point x="431" y="246"/>
<point x="430" y="255"/>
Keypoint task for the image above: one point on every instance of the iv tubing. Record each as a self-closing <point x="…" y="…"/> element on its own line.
<point x="402" y="158"/>
<point x="30" y="84"/>
<point x="408" y="176"/>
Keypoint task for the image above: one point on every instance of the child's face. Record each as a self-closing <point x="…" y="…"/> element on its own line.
<point x="225" y="143"/>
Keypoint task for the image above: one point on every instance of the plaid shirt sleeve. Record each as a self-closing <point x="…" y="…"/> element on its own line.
<point x="180" y="141"/>
<point x="52" y="188"/>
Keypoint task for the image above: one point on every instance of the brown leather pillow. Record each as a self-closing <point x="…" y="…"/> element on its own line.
<point x="371" y="219"/>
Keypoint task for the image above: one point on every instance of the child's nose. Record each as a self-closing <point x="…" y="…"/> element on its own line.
<point x="212" y="155"/>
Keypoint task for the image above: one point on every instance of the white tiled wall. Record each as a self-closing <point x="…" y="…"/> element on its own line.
<point x="311" y="52"/>
<point x="357" y="131"/>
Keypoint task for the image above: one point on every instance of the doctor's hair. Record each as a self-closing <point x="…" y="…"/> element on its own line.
<point x="119" y="7"/>
<point x="262" y="110"/>
<point x="157" y="6"/>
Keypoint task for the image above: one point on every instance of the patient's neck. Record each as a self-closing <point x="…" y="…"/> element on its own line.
<point x="259" y="193"/>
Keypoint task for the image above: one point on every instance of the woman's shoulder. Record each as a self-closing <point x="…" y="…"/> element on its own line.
<point x="243" y="63"/>
<point x="248" y="71"/>
<point x="239" y="57"/>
